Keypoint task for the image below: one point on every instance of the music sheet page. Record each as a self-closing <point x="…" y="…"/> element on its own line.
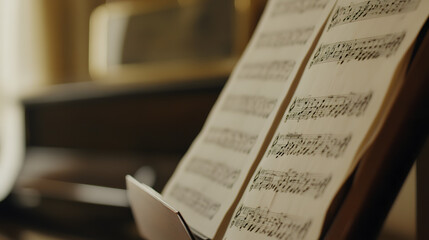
<point x="211" y="174"/>
<point x="326" y="125"/>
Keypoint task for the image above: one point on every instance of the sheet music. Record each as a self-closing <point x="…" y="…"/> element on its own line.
<point x="324" y="145"/>
<point x="343" y="95"/>
<point x="211" y="174"/>
<point x="226" y="138"/>
<point x="298" y="6"/>
<point x="274" y="70"/>
<point x="361" y="49"/>
<point x="199" y="202"/>
<point x="359" y="11"/>
<point x="271" y="224"/>
<point x="290" y="181"/>
<point x="253" y="105"/>
<point x="218" y="172"/>
<point x="353" y="104"/>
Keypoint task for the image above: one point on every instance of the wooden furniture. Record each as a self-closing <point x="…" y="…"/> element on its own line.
<point x="82" y="139"/>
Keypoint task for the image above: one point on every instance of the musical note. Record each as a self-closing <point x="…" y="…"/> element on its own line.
<point x="252" y="105"/>
<point x="302" y="183"/>
<point x="371" y="9"/>
<point x="217" y="172"/>
<point x="298" y="6"/>
<point x="267" y="71"/>
<point x="353" y="104"/>
<point x="271" y="224"/>
<point x="284" y="38"/>
<point x="358" y="49"/>
<point x="195" y="200"/>
<point x="327" y="145"/>
<point x="231" y="139"/>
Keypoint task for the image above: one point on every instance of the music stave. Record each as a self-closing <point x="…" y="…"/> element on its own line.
<point x="195" y="200"/>
<point x="358" y="49"/>
<point x="325" y="145"/>
<point x="252" y="105"/>
<point x="353" y="104"/>
<point x="298" y="6"/>
<point x="281" y="226"/>
<point x="284" y="38"/>
<point x="215" y="171"/>
<point x="291" y="181"/>
<point x="267" y="71"/>
<point x="231" y="139"/>
<point x="370" y="9"/>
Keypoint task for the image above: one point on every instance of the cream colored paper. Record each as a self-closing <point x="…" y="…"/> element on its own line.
<point x="153" y="214"/>
<point x="212" y="173"/>
<point x="339" y="104"/>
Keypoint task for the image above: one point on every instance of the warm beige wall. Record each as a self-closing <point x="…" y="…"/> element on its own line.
<point x="44" y="42"/>
<point x="21" y="60"/>
<point x="67" y="28"/>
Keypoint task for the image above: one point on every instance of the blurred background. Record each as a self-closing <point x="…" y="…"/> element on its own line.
<point x="92" y="90"/>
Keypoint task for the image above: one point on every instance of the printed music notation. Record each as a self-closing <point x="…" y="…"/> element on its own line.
<point x="284" y="38"/>
<point x="231" y="139"/>
<point x="358" y="49"/>
<point x="195" y="200"/>
<point x="217" y="172"/>
<point x="252" y="105"/>
<point x="327" y="145"/>
<point x="298" y="6"/>
<point x="271" y="224"/>
<point x="302" y="183"/>
<point x="353" y="104"/>
<point x="267" y="71"/>
<point x="371" y="9"/>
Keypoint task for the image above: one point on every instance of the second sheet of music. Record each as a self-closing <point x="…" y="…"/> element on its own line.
<point x="340" y="102"/>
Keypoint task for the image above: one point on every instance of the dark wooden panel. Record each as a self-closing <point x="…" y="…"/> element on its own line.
<point x="423" y="193"/>
<point x="157" y="120"/>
